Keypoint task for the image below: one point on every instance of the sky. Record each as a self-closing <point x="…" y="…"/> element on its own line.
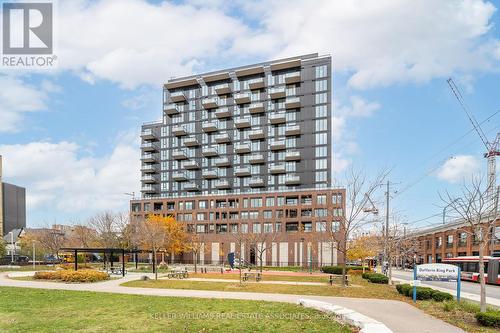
<point x="71" y="135"/>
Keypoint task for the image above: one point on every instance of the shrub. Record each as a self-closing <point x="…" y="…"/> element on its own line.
<point x="333" y="269"/>
<point x="489" y="318"/>
<point x="449" y="306"/>
<point x="73" y="276"/>
<point x="366" y="275"/>
<point x="378" y="278"/>
<point x="423" y="293"/>
<point x="403" y="288"/>
<point x="440" y="296"/>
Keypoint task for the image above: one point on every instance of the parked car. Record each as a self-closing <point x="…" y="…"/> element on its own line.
<point x="18" y="260"/>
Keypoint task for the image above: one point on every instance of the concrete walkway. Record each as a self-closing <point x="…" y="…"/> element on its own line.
<point x="400" y="317"/>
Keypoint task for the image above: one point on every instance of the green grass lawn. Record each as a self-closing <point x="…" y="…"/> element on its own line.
<point x="362" y="288"/>
<point x="236" y="276"/>
<point x="27" y="268"/>
<point x="39" y="310"/>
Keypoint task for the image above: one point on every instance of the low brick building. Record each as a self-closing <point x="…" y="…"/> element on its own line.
<point x="453" y="240"/>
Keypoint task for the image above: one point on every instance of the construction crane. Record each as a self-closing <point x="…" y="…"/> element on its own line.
<point x="492" y="147"/>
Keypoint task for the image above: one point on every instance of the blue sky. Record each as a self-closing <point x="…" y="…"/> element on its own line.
<point x="71" y="136"/>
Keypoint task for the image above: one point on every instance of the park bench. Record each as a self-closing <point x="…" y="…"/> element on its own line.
<point x="115" y="270"/>
<point x="256" y="276"/>
<point x="177" y="275"/>
<point x="338" y="278"/>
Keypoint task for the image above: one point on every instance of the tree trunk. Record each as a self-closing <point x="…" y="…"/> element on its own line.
<point x="343" y="274"/>
<point x="195" y="262"/>
<point x="156" y="264"/>
<point x="260" y="258"/>
<point x="390" y="271"/>
<point x="481" y="274"/>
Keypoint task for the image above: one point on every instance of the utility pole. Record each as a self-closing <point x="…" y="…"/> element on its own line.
<point x="386" y="229"/>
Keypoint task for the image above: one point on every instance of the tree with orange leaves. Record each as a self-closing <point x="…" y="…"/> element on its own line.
<point x="161" y="234"/>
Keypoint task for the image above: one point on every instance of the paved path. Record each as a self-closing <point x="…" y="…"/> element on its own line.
<point x="261" y="282"/>
<point x="469" y="290"/>
<point x="400" y="317"/>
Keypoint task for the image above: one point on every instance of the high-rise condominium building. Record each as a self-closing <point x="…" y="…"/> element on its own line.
<point x="234" y="141"/>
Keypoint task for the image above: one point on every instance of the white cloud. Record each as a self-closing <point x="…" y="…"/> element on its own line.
<point x="59" y="178"/>
<point x="379" y="42"/>
<point x="458" y="168"/>
<point x="18" y="98"/>
<point x="134" y="42"/>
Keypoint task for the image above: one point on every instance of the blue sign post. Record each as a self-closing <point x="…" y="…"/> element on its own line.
<point x="436" y="272"/>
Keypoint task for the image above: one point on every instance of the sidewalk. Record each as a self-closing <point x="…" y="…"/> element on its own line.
<point x="261" y="282"/>
<point x="400" y="317"/>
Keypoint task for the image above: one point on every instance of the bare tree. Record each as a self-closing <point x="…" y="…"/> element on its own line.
<point x="106" y="226"/>
<point x="50" y="240"/>
<point x="358" y="191"/>
<point x="241" y="238"/>
<point x="195" y="244"/>
<point x="262" y="242"/>
<point x="479" y="211"/>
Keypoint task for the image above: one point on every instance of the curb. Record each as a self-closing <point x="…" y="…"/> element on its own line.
<point x="347" y="316"/>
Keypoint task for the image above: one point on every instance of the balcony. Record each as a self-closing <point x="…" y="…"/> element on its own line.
<point x="242" y="98"/>
<point x="256" y="159"/>
<point x="148" y="168"/>
<point x="148" y="134"/>
<point x="257" y="83"/>
<point x="256" y="134"/>
<point x="278" y="92"/>
<point x="209" y="103"/>
<point x="179" y="130"/>
<point x="241" y="148"/>
<point x="292" y="130"/>
<point x="222" y="162"/>
<point x="210" y="174"/>
<point x="148" y="179"/>
<point x="292" y="156"/>
<point x="191" y="187"/>
<point x="242" y="123"/>
<point x="256" y="108"/>
<point x="191" y="165"/>
<point x="171" y="109"/>
<point x="256" y="182"/>
<point x="177" y="96"/>
<point x="209" y="127"/>
<point x="179" y="155"/>
<point x="292" y="180"/>
<point x="148" y="188"/>
<point x="277" y="118"/>
<point x="242" y="171"/>
<point x="148" y="158"/>
<point x="209" y="151"/>
<point x="292" y="78"/>
<point x="191" y="142"/>
<point x="276" y="169"/>
<point x="149" y="146"/>
<point x="223" y="113"/>
<point x="222" y="184"/>
<point x="222" y="89"/>
<point x="278" y="145"/>
<point x="179" y="176"/>
<point x="292" y="103"/>
<point x="222" y="138"/>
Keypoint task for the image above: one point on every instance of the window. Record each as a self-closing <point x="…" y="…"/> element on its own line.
<point x="292" y="227"/>
<point x="321" y="164"/>
<point x="321" y="125"/>
<point x="320" y="226"/>
<point x="256" y="202"/>
<point x="321" y="111"/>
<point x="335" y="226"/>
<point x="321" y="138"/>
<point x="337" y="199"/>
<point x="278" y="226"/>
<point x="321" y="176"/>
<point x="321" y="98"/>
<point x="438" y="241"/>
<point x="202" y="204"/>
<point x="244" y="228"/>
<point x="321" y="151"/>
<point x="321" y="71"/>
<point x="200" y="228"/>
<point x="320" y="212"/>
<point x="136" y="207"/>
<point x="268" y="228"/>
<point x="306" y="226"/>
<point x="462" y="239"/>
<point x="270" y="202"/>
<point x="189" y="205"/>
<point x="337" y="212"/>
<point x="234" y="228"/>
<point x="256" y="228"/>
<point x="280" y="201"/>
<point x="268" y="214"/>
<point x="321" y="85"/>
<point x="449" y="240"/>
<point x="201" y="216"/>
<point x="321" y="199"/>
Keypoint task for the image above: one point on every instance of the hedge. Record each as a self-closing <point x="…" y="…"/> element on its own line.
<point x="333" y="269"/>
<point x="376" y="278"/>
<point x="489" y="318"/>
<point x="72" y="276"/>
<point x="423" y="293"/>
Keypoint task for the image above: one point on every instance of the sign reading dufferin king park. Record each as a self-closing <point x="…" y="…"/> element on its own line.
<point x="437" y="272"/>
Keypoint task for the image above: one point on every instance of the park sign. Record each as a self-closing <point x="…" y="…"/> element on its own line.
<point x="437" y="272"/>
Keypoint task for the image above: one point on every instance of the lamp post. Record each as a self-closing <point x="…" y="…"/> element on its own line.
<point x="302" y="247"/>
<point x="34" y="255"/>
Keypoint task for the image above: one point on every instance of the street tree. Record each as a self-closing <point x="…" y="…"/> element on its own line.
<point x="359" y="189"/>
<point x="362" y="248"/>
<point x="195" y="244"/>
<point x="479" y="211"/>
<point x="262" y="242"/>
